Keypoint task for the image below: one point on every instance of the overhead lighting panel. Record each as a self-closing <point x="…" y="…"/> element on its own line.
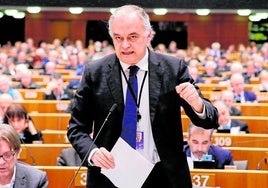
<point x="76" y="10"/>
<point x="202" y="12"/>
<point x="33" y="10"/>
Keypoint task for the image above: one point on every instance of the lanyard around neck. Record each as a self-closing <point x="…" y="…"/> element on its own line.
<point x="137" y="100"/>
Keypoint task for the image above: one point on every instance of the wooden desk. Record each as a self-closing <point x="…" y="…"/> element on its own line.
<point x="240" y="140"/>
<point x="253" y="109"/>
<point x="257" y="124"/>
<point x="55" y="136"/>
<point x="253" y="155"/>
<point x="52" y="121"/>
<point x="229" y="178"/>
<point x="62" y="176"/>
<point x="41" y="154"/>
<point x="45" y="106"/>
<point x="32" y="94"/>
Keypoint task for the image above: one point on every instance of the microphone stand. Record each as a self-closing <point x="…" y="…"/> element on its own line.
<point x="82" y="162"/>
<point x="260" y="162"/>
<point x="29" y="152"/>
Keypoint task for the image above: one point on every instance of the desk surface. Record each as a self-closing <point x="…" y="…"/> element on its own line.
<point x="62" y="176"/>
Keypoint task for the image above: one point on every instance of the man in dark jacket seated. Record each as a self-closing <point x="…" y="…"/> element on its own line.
<point x="200" y="148"/>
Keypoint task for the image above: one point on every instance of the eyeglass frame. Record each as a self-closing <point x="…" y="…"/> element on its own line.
<point x="11" y="153"/>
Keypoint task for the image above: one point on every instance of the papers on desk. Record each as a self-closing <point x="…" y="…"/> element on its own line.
<point x="131" y="168"/>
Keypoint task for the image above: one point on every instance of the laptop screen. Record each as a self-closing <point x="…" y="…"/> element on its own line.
<point x="204" y="164"/>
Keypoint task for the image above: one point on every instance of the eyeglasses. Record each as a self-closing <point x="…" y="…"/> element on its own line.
<point x="8" y="155"/>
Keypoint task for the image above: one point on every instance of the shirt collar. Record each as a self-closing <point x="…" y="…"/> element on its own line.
<point x="142" y="64"/>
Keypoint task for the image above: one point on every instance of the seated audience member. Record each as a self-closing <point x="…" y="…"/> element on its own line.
<point x="263" y="85"/>
<point x="222" y="65"/>
<point x="250" y="71"/>
<point x="17" y="117"/>
<point x="227" y="97"/>
<point x="49" y="68"/>
<point x="26" y="81"/>
<point x="6" y="87"/>
<point x="225" y="121"/>
<point x="56" y="90"/>
<point x="200" y="143"/>
<point x="15" y="173"/>
<point x="73" y="84"/>
<point x="210" y="70"/>
<point x="5" y="101"/>
<point x="193" y="71"/>
<point x="68" y="157"/>
<point x="241" y="95"/>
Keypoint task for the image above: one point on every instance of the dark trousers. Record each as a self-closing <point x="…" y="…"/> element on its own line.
<point x="157" y="178"/>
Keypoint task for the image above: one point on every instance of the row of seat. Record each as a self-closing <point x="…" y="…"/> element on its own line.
<point x="46" y="154"/>
<point x="60" y="121"/>
<point x="220" y="139"/>
<point x="56" y="106"/>
<point x="63" y="176"/>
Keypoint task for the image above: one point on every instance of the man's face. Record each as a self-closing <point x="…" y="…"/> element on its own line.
<point x="130" y="38"/>
<point x="7" y="166"/>
<point x="199" y="142"/>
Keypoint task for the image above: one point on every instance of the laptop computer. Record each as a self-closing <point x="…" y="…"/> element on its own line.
<point x="204" y="164"/>
<point x="223" y="130"/>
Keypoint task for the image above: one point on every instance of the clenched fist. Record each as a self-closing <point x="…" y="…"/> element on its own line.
<point x="188" y="92"/>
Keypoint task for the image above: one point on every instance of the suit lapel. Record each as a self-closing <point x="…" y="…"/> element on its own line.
<point x="114" y="82"/>
<point x="20" y="178"/>
<point x="155" y="77"/>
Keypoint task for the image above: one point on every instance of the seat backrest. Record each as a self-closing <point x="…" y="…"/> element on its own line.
<point x="241" y="164"/>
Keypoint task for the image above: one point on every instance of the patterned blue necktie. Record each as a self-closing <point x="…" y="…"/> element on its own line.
<point x="129" y="125"/>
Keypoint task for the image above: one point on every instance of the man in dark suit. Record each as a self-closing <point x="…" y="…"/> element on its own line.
<point x="164" y="87"/>
<point x="225" y="121"/>
<point x="240" y="94"/>
<point x="200" y="143"/>
<point x="26" y="176"/>
<point x="68" y="157"/>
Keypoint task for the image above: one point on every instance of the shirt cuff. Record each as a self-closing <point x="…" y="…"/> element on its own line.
<point x="90" y="162"/>
<point x="202" y="114"/>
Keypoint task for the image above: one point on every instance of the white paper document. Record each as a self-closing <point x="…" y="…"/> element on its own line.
<point x="131" y="168"/>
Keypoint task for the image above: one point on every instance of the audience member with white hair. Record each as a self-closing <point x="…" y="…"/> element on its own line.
<point x="6" y="87"/>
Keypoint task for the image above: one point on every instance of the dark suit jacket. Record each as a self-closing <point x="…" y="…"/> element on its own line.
<point x="249" y="96"/>
<point x="68" y="157"/>
<point x="101" y="87"/>
<point x="221" y="156"/>
<point x="237" y="123"/>
<point x="29" y="177"/>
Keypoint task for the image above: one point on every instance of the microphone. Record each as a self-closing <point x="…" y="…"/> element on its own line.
<point x="29" y="152"/>
<point x="260" y="162"/>
<point x="105" y="120"/>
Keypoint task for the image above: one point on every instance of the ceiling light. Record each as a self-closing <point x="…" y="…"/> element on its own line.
<point x="112" y="10"/>
<point x="19" y="15"/>
<point x="1" y="14"/>
<point x="10" y="12"/>
<point x="254" y="18"/>
<point x="76" y="10"/>
<point x="262" y="15"/>
<point x="202" y="12"/>
<point x="160" y="11"/>
<point x="33" y="10"/>
<point x="243" y="12"/>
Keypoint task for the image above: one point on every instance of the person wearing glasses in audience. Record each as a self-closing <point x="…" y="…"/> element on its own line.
<point x="12" y="172"/>
<point x="17" y="116"/>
